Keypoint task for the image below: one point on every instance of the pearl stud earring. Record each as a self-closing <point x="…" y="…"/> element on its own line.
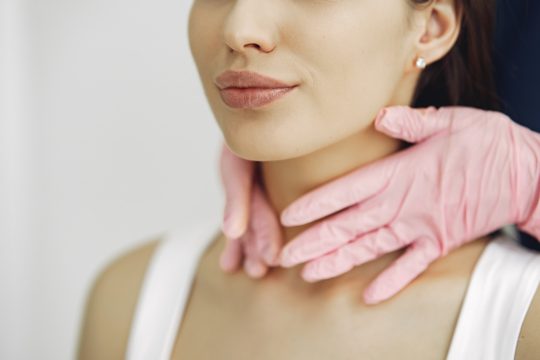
<point x="421" y="63"/>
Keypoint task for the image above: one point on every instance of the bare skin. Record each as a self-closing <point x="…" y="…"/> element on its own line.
<point x="351" y="58"/>
<point x="283" y="317"/>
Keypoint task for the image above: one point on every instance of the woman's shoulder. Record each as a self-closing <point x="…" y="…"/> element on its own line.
<point x="113" y="296"/>
<point x="528" y="344"/>
<point x="513" y="272"/>
<point x="111" y="303"/>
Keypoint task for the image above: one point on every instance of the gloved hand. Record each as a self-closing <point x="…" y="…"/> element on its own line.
<point x="459" y="151"/>
<point x="471" y="172"/>
<point x="250" y="224"/>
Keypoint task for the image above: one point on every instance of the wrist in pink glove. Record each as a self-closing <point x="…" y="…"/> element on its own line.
<point x="529" y="178"/>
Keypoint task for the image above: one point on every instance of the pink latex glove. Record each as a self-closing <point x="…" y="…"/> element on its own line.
<point x="496" y="144"/>
<point x="470" y="173"/>
<point x="250" y="224"/>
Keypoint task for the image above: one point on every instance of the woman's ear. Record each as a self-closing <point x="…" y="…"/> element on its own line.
<point x="439" y="29"/>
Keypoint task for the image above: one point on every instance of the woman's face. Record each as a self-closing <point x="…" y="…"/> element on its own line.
<point x="349" y="58"/>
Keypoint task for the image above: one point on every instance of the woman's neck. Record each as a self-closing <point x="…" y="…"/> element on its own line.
<point x="286" y="180"/>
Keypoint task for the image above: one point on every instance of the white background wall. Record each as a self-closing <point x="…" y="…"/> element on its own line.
<point x="106" y="139"/>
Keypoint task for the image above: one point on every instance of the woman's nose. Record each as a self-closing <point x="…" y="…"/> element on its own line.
<point x="249" y="26"/>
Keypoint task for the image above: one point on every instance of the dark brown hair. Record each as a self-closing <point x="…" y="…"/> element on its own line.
<point x="464" y="76"/>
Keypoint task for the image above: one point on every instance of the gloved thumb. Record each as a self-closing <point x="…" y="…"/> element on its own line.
<point x="411" y="124"/>
<point x="237" y="180"/>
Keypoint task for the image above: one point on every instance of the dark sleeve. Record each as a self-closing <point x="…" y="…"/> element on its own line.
<point x="517" y="67"/>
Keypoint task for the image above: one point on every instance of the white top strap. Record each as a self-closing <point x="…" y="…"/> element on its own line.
<point x="498" y="297"/>
<point x="165" y="290"/>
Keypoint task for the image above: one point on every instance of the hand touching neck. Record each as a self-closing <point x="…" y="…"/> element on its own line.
<point x="286" y="180"/>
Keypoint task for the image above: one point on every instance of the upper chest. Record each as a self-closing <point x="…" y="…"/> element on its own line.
<point x="235" y="317"/>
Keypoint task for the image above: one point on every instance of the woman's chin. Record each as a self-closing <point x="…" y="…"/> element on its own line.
<point x="251" y="154"/>
<point x="263" y="151"/>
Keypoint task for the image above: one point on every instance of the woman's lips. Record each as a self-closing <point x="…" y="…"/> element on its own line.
<point x="252" y="97"/>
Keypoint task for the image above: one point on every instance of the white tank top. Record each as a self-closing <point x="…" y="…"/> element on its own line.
<point x="502" y="286"/>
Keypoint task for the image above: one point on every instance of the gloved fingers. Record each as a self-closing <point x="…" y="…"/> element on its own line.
<point x="237" y="179"/>
<point x="411" y="124"/>
<point x="336" y="231"/>
<point x="265" y="228"/>
<point x="254" y="266"/>
<point x="361" y="250"/>
<point x="368" y="181"/>
<point x="402" y="271"/>
<point x="350" y="189"/>
<point x="231" y="255"/>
